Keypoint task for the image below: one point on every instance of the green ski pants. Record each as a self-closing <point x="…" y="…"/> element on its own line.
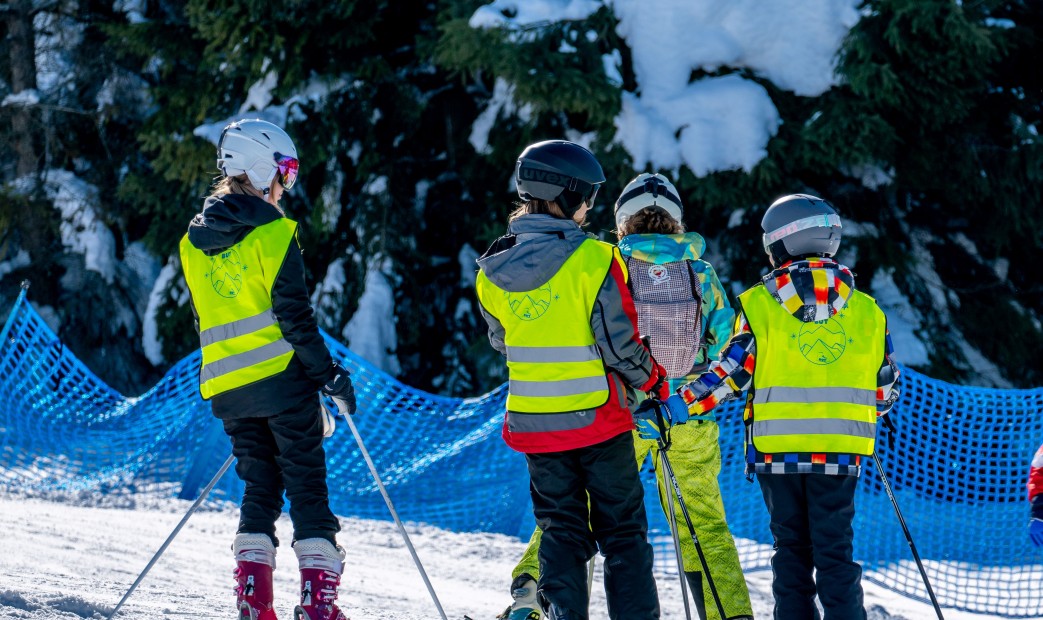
<point x="696" y="458"/>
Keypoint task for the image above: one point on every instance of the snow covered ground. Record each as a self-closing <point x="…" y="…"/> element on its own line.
<point x="60" y="560"/>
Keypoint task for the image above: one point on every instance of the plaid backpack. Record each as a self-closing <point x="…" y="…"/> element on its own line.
<point x="668" y="298"/>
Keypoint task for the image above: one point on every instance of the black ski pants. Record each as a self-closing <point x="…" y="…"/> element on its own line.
<point x="615" y="523"/>
<point x="811" y="517"/>
<point x="281" y="453"/>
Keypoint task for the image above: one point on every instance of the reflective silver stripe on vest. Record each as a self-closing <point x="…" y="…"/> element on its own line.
<point x="567" y="387"/>
<point x="818" y="426"/>
<point x="243" y="360"/>
<point x="241" y="327"/>
<point x="545" y="422"/>
<point x="854" y="396"/>
<point x="582" y="353"/>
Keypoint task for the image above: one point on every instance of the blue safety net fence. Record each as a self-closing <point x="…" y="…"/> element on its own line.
<point x="958" y="466"/>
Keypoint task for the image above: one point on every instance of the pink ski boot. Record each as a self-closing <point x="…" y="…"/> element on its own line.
<point x="321" y="565"/>
<point x="255" y="561"/>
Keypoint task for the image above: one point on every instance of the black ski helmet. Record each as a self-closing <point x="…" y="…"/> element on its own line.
<point x="558" y="171"/>
<point x="800" y="225"/>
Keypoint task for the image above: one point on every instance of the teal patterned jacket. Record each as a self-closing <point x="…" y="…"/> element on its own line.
<point x="718" y="314"/>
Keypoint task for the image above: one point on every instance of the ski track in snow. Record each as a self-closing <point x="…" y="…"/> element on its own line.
<point x="62" y="561"/>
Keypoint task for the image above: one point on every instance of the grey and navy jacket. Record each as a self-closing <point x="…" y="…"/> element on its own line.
<point x="535" y="247"/>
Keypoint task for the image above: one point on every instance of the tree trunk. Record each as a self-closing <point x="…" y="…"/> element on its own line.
<point x="19" y="17"/>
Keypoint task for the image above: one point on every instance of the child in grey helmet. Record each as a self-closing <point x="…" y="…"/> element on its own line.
<point x="263" y="363"/>
<point x="824" y="374"/>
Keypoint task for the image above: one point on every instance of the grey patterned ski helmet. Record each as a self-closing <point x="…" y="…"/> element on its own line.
<point x="800" y="225"/>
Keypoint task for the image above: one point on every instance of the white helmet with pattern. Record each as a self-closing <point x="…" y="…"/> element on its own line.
<point x="649" y="189"/>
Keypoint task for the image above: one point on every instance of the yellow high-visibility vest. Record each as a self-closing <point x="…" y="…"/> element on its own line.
<point x="815" y="383"/>
<point x="553" y="363"/>
<point x="239" y="334"/>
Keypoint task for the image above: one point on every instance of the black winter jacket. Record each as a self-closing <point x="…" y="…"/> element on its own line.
<point x="225" y="220"/>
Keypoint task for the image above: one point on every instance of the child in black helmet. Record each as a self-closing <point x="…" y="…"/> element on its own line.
<point x="684" y="314"/>
<point x="558" y="308"/>
<point x="824" y="374"/>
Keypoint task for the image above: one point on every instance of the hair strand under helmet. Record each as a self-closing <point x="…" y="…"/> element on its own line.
<point x="259" y="150"/>
<point x="649" y="190"/>
<point x="800" y="225"/>
<point x="559" y="171"/>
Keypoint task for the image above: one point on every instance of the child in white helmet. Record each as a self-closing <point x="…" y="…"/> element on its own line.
<point x="263" y="364"/>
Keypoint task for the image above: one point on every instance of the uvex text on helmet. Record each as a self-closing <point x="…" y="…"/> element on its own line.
<point x="258" y="149"/>
<point x="800" y="225"/>
<point x="560" y="171"/>
<point x="649" y="190"/>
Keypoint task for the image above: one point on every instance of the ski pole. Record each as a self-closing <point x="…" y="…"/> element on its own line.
<point x="387" y="499"/>
<point x="668" y="471"/>
<point x="590" y="575"/>
<point x="664" y="444"/>
<point x="908" y="536"/>
<point x="199" y="500"/>
<point x="677" y="552"/>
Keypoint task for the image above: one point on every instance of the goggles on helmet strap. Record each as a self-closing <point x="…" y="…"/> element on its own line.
<point x="654" y="186"/>
<point x="586" y="191"/>
<point x="287" y="169"/>
<point x="814" y="221"/>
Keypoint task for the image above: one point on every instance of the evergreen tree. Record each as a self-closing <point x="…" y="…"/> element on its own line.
<point x="935" y="115"/>
<point x="72" y="127"/>
<point x="409" y="120"/>
<point x="956" y="110"/>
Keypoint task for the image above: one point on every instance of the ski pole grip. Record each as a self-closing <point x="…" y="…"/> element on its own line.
<point x="664" y="428"/>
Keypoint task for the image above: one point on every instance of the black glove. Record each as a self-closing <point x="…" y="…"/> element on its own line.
<point x="892" y="430"/>
<point x="339" y="388"/>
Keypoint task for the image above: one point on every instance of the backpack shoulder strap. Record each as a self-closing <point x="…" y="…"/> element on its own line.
<point x="693" y="281"/>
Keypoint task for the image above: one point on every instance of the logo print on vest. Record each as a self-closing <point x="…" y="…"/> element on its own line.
<point x="822" y="342"/>
<point x="530" y="305"/>
<point x="658" y="273"/>
<point x="226" y="273"/>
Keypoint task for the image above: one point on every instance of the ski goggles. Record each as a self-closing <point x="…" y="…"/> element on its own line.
<point x="287" y="168"/>
<point x="593" y="192"/>
<point x="830" y="220"/>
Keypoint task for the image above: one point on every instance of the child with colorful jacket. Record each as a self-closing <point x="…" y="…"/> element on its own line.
<point x="814" y="356"/>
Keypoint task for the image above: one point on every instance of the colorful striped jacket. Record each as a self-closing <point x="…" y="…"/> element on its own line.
<point x="732" y="373"/>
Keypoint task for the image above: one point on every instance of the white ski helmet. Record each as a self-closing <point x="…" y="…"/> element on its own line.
<point x="259" y="150"/>
<point x="649" y="190"/>
<point x="800" y="225"/>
